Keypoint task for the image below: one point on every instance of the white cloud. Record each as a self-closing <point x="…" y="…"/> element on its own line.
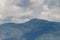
<point x="52" y="14"/>
<point x="19" y="11"/>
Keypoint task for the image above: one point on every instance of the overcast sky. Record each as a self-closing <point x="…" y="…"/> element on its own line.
<point x="20" y="11"/>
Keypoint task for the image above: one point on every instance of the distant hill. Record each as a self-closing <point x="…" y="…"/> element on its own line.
<point x="32" y="29"/>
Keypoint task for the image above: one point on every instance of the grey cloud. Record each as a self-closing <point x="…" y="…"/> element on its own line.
<point x="24" y="3"/>
<point x="53" y="3"/>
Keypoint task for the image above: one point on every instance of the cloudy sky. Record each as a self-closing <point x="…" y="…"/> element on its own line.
<point x="19" y="11"/>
